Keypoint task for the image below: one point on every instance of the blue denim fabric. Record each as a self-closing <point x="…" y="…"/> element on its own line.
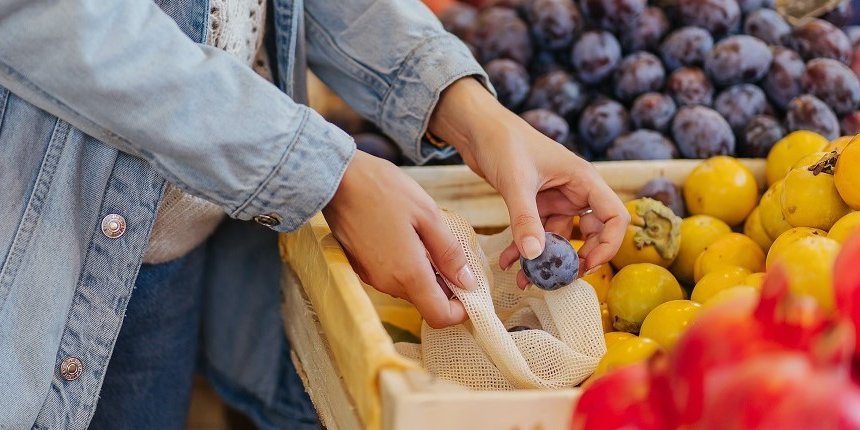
<point x="102" y="101"/>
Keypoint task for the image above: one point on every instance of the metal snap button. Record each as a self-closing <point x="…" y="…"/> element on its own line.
<point x="269" y="220"/>
<point x="71" y="368"/>
<point x="113" y="226"/>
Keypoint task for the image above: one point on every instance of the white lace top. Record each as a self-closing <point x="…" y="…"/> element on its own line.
<point x="184" y="221"/>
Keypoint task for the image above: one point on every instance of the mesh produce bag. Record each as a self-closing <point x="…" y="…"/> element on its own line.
<point x="561" y="348"/>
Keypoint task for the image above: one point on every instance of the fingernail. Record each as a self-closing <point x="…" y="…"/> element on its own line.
<point x="531" y="248"/>
<point x="592" y="270"/>
<point x="467" y="279"/>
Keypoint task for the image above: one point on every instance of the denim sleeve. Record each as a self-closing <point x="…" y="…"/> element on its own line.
<point x="389" y="60"/>
<point x="123" y="72"/>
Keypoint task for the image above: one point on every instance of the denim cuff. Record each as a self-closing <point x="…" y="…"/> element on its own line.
<point x="430" y="68"/>
<point x="305" y="178"/>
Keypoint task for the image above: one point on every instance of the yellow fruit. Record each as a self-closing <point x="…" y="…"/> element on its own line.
<point x="808" y="263"/>
<point x="615" y="337"/>
<point x="404" y="317"/>
<point x="716" y="281"/>
<point x="752" y="228"/>
<point x="723" y="188"/>
<point x="653" y="236"/>
<point x="637" y="289"/>
<point x="605" y="318"/>
<point x="667" y="322"/>
<point x="785" y="240"/>
<point x="844" y="227"/>
<point x="627" y="352"/>
<point x="731" y="294"/>
<point x="755" y="280"/>
<point x="809" y="159"/>
<point x="697" y="232"/>
<point x="789" y="150"/>
<point x="599" y="280"/>
<point x="770" y="211"/>
<point x="846" y="175"/>
<point x="811" y="200"/>
<point x="838" y="144"/>
<point x="731" y="250"/>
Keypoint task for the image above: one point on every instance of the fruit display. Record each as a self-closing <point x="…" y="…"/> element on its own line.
<point x="638" y="80"/>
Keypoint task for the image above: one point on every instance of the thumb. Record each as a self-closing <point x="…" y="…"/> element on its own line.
<point x="525" y="223"/>
<point x="446" y="253"/>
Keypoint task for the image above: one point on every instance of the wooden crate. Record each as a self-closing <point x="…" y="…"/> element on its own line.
<point x="347" y="360"/>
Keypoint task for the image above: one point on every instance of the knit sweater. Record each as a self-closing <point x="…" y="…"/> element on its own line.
<point x="184" y="221"/>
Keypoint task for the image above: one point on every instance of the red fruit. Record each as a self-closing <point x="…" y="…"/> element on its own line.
<point x="619" y="399"/>
<point x="826" y="401"/>
<point x="846" y="280"/>
<point x="792" y="321"/>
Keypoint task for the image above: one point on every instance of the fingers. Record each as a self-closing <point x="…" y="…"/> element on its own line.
<point x="430" y="300"/>
<point x="525" y="222"/>
<point x="603" y="241"/>
<point x="561" y="225"/>
<point x="445" y="251"/>
<point x="522" y="281"/>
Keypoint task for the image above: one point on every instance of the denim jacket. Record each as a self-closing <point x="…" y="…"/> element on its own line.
<point x="103" y="101"/>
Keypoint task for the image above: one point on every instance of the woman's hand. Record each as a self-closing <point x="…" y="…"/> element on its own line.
<point x="542" y="182"/>
<point x="391" y="229"/>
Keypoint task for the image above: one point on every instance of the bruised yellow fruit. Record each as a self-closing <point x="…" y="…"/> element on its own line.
<point x="755" y="280"/>
<point x="808" y="264"/>
<point x="653" y="236"/>
<point x="846" y="175"/>
<point x="731" y="294"/>
<point x="624" y="353"/>
<point x="667" y="322"/>
<point x="844" y="227"/>
<point x="838" y="144"/>
<point x="615" y="337"/>
<point x="718" y="280"/>
<point x="721" y="187"/>
<point x="788" y="150"/>
<point x="636" y="290"/>
<point x="731" y="250"/>
<point x="809" y="159"/>
<point x="599" y="279"/>
<point x="810" y="198"/>
<point x="770" y="211"/>
<point x="785" y="240"/>
<point x="697" y="232"/>
<point x="753" y="229"/>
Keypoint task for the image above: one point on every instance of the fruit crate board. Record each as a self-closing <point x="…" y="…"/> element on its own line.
<point x="347" y="360"/>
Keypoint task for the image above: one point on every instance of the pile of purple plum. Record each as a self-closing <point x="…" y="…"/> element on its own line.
<point x="624" y="79"/>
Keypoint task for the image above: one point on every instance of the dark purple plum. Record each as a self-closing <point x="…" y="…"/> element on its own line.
<point x="511" y="81"/>
<point x="818" y="38"/>
<point x="638" y="73"/>
<point x="556" y="267"/>
<point x="554" y="23"/>
<point x="653" y="111"/>
<point x="459" y="19"/>
<point x="808" y="112"/>
<point x="601" y="122"/>
<point x="558" y="92"/>
<point x="642" y="145"/>
<point x="719" y="17"/>
<point x="378" y="146"/>
<point x="832" y="82"/>
<point x="738" y="104"/>
<point x="840" y="15"/>
<point x="517" y="328"/>
<point x="645" y="33"/>
<point x="548" y="123"/>
<point x="663" y="190"/>
<point x="690" y="86"/>
<point x="595" y="56"/>
<point x="738" y="59"/>
<point x="853" y="33"/>
<point x="760" y="134"/>
<point x="701" y="132"/>
<point x="748" y="6"/>
<point x="783" y="81"/>
<point x="767" y="25"/>
<point x="686" y="47"/>
<point x="500" y="33"/>
<point x="612" y="15"/>
<point x="544" y="62"/>
<point x="849" y="125"/>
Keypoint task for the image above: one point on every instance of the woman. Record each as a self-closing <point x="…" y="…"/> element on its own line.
<point x="125" y="140"/>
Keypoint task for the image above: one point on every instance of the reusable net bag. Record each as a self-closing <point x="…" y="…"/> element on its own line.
<point x="561" y="348"/>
